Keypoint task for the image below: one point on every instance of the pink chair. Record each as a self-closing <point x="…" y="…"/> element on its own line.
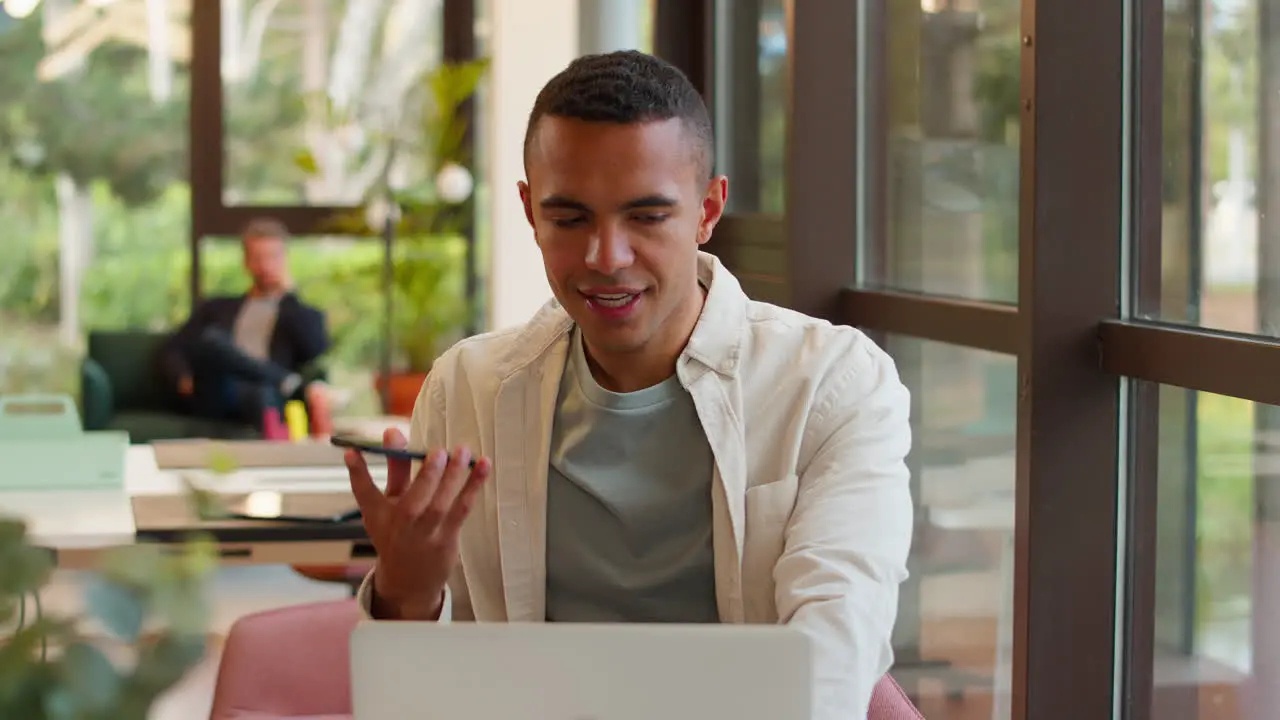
<point x="295" y="662"/>
<point x="889" y="702"/>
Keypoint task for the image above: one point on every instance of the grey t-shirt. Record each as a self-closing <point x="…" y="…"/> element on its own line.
<point x="255" y="325"/>
<point x="628" y="504"/>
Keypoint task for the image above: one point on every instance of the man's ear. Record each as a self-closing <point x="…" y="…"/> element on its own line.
<point x="527" y="200"/>
<point x="713" y="204"/>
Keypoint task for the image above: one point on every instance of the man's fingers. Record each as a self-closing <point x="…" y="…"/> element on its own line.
<point x="362" y="487"/>
<point x="466" y="497"/>
<point x="423" y="488"/>
<point x="397" y="470"/>
<point x="455" y="476"/>
<point x="393" y="438"/>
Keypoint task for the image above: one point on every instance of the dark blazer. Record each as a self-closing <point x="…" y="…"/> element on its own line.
<point x="299" y="337"/>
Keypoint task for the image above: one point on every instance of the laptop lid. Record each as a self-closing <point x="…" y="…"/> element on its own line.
<point x="571" y="671"/>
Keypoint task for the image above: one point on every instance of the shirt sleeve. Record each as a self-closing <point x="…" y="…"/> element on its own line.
<point x="846" y="544"/>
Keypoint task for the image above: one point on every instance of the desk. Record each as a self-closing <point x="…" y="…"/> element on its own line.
<point x="152" y="507"/>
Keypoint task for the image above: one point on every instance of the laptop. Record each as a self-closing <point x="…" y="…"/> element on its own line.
<point x="572" y="671"/>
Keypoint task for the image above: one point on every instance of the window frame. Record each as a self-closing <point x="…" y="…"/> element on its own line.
<point x="210" y="215"/>
<point x="1089" y="370"/>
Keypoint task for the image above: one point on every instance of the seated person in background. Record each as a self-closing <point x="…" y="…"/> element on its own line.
<point x="237" y="356"/>
<point x="661" y="447"/>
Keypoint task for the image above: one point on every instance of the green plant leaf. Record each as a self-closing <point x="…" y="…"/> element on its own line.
<point x="23" y="568"/>
<point x="60" y="703"/>
<point x="183" y="604"/>
<point x="20" y="653"/>
<point x="206" y="504"/>
<point x="88" y="677"/>
<point x="198" y="556"/>
<point x="12" y="533"/>
<point x="163" y="663"/>
<point x="120" y="609"/>
<point x="222" y="461"/>
<point x="21" y="691"/>
<point x="133" y="567"/>
<point x="178" y="593"/>
<point x="306" y="162"/>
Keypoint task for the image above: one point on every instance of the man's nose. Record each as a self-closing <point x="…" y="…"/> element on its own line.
<point x="609" y="251"/>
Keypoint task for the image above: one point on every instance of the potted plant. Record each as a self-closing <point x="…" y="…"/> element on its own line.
<point x="423" y="222"/>
<point x="152" y="603"/>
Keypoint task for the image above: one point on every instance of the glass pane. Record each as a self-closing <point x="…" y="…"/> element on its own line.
<point x="1215" y="266"/>
<point x="647" y="11"/>
<point x="326" y="76"/>
<point x="953" y="639"/>
<point x="950" y="76"/>
<point x="752" y="97"/>
<point x="1217" y="649"/>
<point x="608" y="25"/>
<point x="339" y="277"/>
<point x="94" y="200"/>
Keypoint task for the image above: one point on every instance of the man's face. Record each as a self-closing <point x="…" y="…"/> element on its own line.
<point x="619" y="212"/>
<point x="265" y="261"/>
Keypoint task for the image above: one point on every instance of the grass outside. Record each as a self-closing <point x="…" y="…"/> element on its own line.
<point x="1225" y="507"/>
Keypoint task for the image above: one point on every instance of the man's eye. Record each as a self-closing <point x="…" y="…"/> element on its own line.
<point x="567" y="222"/>
<point x="651" y="218"/>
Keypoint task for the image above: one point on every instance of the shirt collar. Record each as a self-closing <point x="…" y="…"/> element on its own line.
<point x="715" y="343"/>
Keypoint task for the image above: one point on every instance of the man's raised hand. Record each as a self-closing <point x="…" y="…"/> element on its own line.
<point x="415" y="525"/>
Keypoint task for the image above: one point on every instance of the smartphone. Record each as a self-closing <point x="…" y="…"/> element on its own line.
<point x="370" y="445"/>
<point x="376" y="447"/>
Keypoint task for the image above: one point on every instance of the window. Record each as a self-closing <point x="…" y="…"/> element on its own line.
<point x="321" y="79"/>
<point x="1217" y="558"/>
<point x="955" y="622"/>
<point x="959" y="186"/>
<point x="1217" y="257"/>
<point x="750" y="106"/>
<point x="946" y="106"/>
<point x="93" y="189"/>
<point x="341" y="278"/>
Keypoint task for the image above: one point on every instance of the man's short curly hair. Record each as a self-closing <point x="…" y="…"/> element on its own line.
<point x="626" y="87"/>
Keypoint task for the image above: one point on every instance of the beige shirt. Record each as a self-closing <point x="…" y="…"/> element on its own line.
<point x="812" y="515"/>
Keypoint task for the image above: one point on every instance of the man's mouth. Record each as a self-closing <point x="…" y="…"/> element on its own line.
<point x="613" y="300"/>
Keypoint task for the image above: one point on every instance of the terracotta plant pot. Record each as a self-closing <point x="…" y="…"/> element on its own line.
<point x="403" y="389"/>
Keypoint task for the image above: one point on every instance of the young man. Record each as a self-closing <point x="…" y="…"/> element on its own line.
<point x="237" y="356"/>
<point x="652" y="445"/>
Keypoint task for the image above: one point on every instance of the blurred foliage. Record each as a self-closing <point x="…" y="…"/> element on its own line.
<point x="429" y="297"/>
<point x="140" y="274"/>
<point x="1224" y="478"/>
<point x="58" y="127"/>
<point x="100" y="121"/>
<point x="100" y="125"/>
<point x="153" y="601"/>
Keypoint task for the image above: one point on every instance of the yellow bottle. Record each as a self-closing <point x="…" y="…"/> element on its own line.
<point x="295" y="417"/>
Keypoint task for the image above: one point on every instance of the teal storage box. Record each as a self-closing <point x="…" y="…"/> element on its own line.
<point x="42" y="447"/>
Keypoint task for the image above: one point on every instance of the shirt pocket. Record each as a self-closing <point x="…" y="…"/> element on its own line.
<point x="768" y="510"/>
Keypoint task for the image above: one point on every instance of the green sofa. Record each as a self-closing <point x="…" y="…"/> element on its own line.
<point x="121" y="389"/>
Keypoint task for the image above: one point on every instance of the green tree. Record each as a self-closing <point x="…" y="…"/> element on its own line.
<point x="98" y="122"/>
